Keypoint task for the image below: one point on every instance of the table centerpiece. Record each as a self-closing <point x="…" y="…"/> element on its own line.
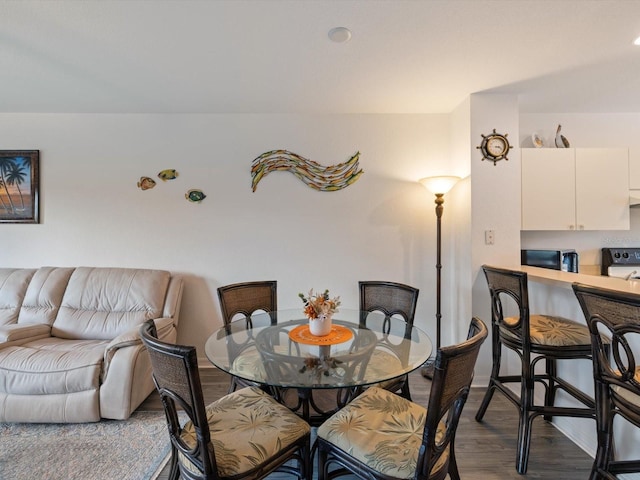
<point x="319" y="309"/>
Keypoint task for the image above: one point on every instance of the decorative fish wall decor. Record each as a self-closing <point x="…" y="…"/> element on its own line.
<point x="195" y="196"/>
<point x="319" y="177"/>
<point x="146" y="183"/>
<point x="168" y="174"/>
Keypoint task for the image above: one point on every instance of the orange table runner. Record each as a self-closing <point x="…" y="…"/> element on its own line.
<point x="338" y="334"/>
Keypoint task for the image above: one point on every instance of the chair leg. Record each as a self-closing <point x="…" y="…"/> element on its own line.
<point x="488" y="395"/>
<point x="604" y="422"/>
<point x="405" y="392"/>
<point x="550" y="393"/>
<point x="524" y="442"/>
<point x="526" y="418"/>
<point x="232" y="385"/>
<point x="174" y="471"/>
<point x="454" y="474"/>
<point x="322" y="463"/>
<point x="306" y="462"/>
<point x="496" y="349"/>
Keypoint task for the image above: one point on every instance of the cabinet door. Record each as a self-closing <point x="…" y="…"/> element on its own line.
<point x="548" y="189"/>
<point x="602" y="188"/>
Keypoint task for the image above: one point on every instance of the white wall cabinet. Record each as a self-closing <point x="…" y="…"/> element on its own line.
<point x="575" y="189"/>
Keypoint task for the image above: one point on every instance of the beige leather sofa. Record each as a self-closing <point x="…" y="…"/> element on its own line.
<point x="69" y="344"/>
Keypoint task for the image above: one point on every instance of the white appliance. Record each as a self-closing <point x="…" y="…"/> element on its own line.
<point x="621" y="262"/>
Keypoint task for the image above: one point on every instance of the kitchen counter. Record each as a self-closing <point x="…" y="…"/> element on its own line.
<point x="557" y="278"/>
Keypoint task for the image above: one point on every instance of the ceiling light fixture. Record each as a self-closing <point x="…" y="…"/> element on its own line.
<point x="340" y="34"/>
<point x="637" y="41"/>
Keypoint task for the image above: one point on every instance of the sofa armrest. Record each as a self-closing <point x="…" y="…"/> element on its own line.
<point x="132" y="337"/>
<point x="22" y="333"/>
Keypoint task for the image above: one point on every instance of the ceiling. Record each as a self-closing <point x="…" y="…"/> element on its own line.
<point x="274" y="56"/>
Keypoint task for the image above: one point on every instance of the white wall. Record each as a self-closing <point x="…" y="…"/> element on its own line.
<point x="495" y="200"/>
<point x="92" y="213"/>
<point x="457" y="218"/>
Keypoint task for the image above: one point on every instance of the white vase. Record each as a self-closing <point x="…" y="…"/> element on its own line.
<point x="320" y="326"/>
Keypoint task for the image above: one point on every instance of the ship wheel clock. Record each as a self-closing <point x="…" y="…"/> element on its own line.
<point x="494" y="147"/>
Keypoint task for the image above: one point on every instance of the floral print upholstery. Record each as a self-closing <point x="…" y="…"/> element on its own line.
<point x="626" y="394"/>
<point x="249" y="365"/>
<point x="552" y="331"/>
<point x="381" y="364"/>
<point x="248" y="427"/>
<point x="383" y="431"/>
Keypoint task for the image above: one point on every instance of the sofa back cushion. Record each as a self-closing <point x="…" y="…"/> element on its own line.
<point x="102" y="303"/>
<point x="13" y="288"/>
<point x="44" y="295"/>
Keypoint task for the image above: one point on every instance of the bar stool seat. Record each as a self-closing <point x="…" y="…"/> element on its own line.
<point x="550" y="330"/>
<point x="535" y="338"/>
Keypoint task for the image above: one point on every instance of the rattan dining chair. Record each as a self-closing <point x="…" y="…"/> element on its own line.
<point x="616" y="371"/>
<point x="244" y="435"/>
<point x="397" y="302"/>
<point x="238" y="302"/>
<point x="534" y="338"/>
<point x="381" y="435"/>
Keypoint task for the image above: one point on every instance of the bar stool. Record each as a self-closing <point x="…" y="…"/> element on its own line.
<point x="534" y="338"/>
<point x="613" y="315"/>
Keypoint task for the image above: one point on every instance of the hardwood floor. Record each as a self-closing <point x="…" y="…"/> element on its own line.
<point x="484" y="450"/>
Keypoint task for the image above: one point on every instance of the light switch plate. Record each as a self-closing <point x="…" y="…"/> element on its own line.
<point x="489" y="237"/>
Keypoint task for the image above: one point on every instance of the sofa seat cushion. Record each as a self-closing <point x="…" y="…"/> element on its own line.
<point x="50" y="366"/>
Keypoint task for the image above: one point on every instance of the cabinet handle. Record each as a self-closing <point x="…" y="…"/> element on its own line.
<point x="580" y="227"/>
<point x="572" y="227"/>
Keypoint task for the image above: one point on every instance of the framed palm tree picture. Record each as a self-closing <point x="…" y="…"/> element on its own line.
<point x="19" y="186"/>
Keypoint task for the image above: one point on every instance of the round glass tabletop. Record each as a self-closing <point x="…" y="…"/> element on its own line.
<point x="276" y="349"/>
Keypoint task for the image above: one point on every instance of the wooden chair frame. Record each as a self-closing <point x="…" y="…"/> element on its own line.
<point x="391" y="299"/>
<point x="245" y="299"/>
<point x="617" y="316"/>
<point x="504" y="283"/>
<point x="177" y="379"/>
<point x="453" y="374"/>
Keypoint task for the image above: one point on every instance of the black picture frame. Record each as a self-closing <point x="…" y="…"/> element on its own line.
<point x="19" y="186"/>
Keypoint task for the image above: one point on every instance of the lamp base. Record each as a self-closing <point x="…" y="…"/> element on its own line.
<point x="427" y="368"/>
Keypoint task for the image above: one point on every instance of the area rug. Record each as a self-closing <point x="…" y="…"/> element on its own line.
<point x="133" y="449"/>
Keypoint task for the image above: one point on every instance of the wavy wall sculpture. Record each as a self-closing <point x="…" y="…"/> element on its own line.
<point x="318" y="177"/>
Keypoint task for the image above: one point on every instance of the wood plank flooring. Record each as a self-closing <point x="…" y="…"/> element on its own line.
<point x="485" y="451"/>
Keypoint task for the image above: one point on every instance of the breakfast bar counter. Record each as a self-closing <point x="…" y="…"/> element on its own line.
<point x="557" y="278"/>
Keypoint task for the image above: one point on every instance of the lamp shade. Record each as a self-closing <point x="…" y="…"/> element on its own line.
<point x="439" y="184"/>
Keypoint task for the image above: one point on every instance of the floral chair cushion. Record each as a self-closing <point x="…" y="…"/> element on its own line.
<point x="628" y="395"/>
<point x="382" y="364"/>
<point x="249" y="365"/>
<point x="247" y="427"/>
<point x="383" y="431"/>
<point x="552" y="331"/>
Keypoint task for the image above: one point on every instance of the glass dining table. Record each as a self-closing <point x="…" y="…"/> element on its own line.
<point x="316" y="376"/>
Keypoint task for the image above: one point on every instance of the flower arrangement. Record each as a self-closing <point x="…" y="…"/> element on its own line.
<point x="319" y="304"/>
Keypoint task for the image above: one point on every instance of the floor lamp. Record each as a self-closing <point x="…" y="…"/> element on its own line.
<point x="438" y="186"/>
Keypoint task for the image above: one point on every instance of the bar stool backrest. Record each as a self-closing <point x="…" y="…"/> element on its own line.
<point x="616" y="369"/>
<point x="509" y="304"/>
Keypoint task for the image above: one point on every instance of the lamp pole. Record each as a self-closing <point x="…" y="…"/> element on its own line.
<point x="439" y="209"/>
<point x="438" y="186"/>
